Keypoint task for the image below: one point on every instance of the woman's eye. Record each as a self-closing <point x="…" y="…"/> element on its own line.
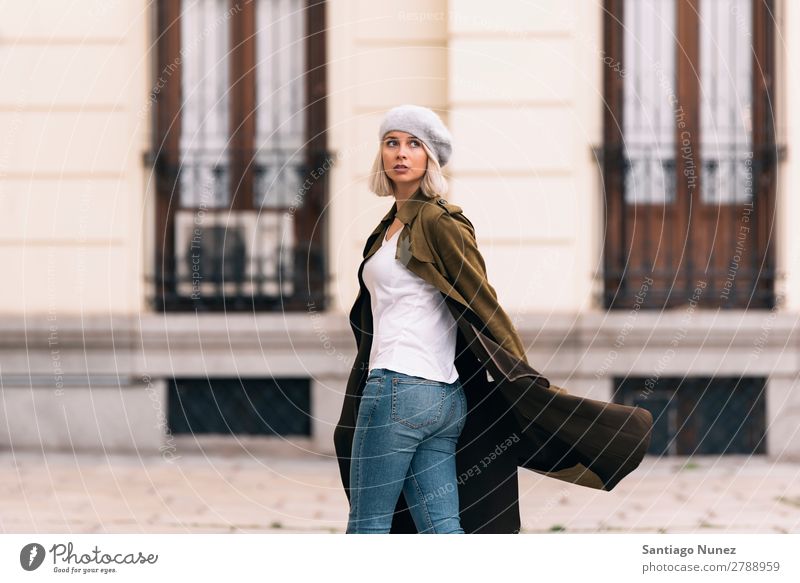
<point x="391" y="142"/>
<point x="415" y="142"/>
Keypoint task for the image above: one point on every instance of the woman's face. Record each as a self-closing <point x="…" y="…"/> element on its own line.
<point x="404" y="158"/>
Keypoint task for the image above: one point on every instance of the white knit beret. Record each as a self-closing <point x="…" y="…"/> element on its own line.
<point x="424" y="124"/>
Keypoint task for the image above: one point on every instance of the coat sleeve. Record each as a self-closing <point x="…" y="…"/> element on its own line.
<point x="455" y="241"/>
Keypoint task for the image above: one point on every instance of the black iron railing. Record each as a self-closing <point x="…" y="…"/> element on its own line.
<point x="239" y="242"/>
<point x="713" y="247"/>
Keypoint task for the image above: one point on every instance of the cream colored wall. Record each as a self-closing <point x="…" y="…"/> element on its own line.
<point x="380" y="55"/>
<point x="524" y="96"/>
<point x="71" y="144"/>
<point x="788" y="128"/>
<point x="521" y="90"/>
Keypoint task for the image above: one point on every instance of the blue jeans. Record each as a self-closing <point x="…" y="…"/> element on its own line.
<point x="405" y="440"/>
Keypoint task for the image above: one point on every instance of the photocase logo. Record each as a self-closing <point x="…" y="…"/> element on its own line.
<point x="31" y="556"/>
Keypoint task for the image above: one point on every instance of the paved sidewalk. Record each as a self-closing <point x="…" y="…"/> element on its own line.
<point x="290" y="492"/>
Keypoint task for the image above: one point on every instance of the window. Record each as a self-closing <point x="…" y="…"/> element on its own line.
<point x="239" y="406"/>
<point x="689" y="154"/>
<point x="701" y="415"/>
<point x="240" y="138"/>
<point x="647" y="125"/>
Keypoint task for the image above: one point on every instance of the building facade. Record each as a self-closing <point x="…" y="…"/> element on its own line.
<point x="183" y="187"/>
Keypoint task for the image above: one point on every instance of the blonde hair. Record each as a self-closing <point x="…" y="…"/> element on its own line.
<point x="433" y="182"/>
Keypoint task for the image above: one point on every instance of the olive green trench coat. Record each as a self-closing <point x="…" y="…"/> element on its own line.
<point x="515" y="417"/>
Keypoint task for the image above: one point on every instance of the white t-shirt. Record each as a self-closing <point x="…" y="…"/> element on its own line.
<point x="413" y="330"/>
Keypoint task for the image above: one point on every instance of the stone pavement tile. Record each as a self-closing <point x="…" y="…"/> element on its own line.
<point x="715" y="530"/>
<point x="285" y="494"/>
<point x="293" y="531"/>
<point x="48" y="526"/>
<point x="253" y="517"/>
<point x="558" y="525"/>
<point x="651" y="522"/>
<point x="199" y="526"/>
<point x="171" y="528"/>
<point x="337" y="515"/>
<point x="316" y="526"/>
<point x="46" y="515"/>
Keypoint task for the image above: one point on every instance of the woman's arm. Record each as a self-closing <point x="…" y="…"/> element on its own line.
<point x="455" y="241"/>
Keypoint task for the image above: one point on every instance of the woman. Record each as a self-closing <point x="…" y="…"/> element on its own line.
<point x="413" y="407"/>
<point x="403" y="418"/>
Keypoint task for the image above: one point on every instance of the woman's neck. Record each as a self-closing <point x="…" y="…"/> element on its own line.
<point x="401" y="195"/>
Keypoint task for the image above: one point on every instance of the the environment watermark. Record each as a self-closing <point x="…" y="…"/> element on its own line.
<point x="651" y="381"/>
<point x="196" y="240"/>
<point x="168" y="448"/>
<point x="743" y="232"/>
<point x="323" y="335"/>
<point x="170" y="68"/>
<point x="766" y="329"/>
<point x="53" y="341"/>
<point x="630" y="319"/>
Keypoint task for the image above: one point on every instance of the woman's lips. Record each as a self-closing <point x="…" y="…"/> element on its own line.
<point x="401" y="169"/>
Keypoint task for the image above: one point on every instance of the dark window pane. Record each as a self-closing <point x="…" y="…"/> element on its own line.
<point x="240" y="406"/>
<point x="701" y="415"/>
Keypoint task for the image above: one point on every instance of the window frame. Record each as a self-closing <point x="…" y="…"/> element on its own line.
<point x="622" y="280"/>
<point x="309" y="224"/>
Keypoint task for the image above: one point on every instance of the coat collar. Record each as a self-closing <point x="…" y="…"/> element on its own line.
<point x="408" y="212"/>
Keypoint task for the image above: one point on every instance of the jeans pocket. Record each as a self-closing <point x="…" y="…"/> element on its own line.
<point x="417" y="402"/>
